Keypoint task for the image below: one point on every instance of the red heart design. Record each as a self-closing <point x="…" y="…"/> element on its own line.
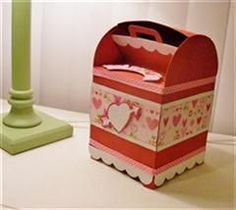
<point x="165" y="121"/>
<point x="192" y="122"/>
<point x="117" y="99"/>
<point x="97" y="102"/>
<point x="184" y="122"/>
<point x="199" y="120"/>
<point x="194" y="102"/>
<point x="152" y="123"/>
<point x="208" y="106"/>
<point x="176" y="119"/>
<point x="137" y="113"/>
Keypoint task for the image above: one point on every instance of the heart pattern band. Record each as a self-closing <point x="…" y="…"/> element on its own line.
<point x="148" y="123"/>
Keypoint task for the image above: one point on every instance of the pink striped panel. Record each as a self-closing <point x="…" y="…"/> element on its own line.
<point x="151" y="87"/>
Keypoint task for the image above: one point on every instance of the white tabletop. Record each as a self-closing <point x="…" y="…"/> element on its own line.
<point x="62" y="175"/>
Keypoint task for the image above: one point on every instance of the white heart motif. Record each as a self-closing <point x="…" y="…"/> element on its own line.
<point x="119" y="115"/>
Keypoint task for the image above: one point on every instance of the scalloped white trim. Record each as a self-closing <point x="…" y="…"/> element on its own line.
<point x="178" y="169"/>
<point x="148" y="45"/>
<point x="121" y="165"/>
<point x="145" y="176"/>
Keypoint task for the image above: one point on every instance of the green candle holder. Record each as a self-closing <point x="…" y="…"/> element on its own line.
<point x="23" y="128"/>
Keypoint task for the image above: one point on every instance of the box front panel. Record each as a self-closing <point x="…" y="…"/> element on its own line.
<point x="150" y="133"/>
<point x="131" y="118"/>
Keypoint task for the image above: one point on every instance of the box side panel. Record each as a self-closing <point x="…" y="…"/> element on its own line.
<point x="184" y="119"/>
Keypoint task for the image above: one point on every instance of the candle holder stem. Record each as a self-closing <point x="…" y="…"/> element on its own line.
<point x="23" y="128"/>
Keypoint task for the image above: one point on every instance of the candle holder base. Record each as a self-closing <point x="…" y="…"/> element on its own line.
<point x="17" y="140"/>
<point x="22" y="118"/>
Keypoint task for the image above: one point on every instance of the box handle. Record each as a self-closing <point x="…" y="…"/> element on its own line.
<point x="143" y="32"/>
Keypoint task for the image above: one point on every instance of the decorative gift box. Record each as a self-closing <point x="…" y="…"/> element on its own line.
<point x="151" y="100"/>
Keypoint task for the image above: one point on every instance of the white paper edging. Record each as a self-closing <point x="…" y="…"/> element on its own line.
<point x="148" y="45"/>
<point x="179" y="168"/>
<point x="145" y="177"/>
<point x="121" y="165"/>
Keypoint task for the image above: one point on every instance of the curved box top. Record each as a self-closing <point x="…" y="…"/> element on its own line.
<point x="177" y="55"/>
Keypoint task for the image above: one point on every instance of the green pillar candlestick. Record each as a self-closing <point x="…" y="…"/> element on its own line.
<point x="22" y="114"/>
<point x="23" y="128"/>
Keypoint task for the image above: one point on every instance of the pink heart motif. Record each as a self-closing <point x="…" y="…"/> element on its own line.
<point x="184" y="122"/>
<point x="97" y="102"/>
<point x="176" y="119"/>
<point x="194" y="103"/>
<point x="208" y="106"/>
<point x="183" y="131"/>
<point x="152" y="123"/>
<point x="165" y="121"/>
<point x="199" y="119"/>
<point x="117" y="99"/>
<point x="192" y="122"/>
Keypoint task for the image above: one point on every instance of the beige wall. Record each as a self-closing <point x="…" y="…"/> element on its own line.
<point x="224" y="113"/>
<point x="64" y="37"/>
